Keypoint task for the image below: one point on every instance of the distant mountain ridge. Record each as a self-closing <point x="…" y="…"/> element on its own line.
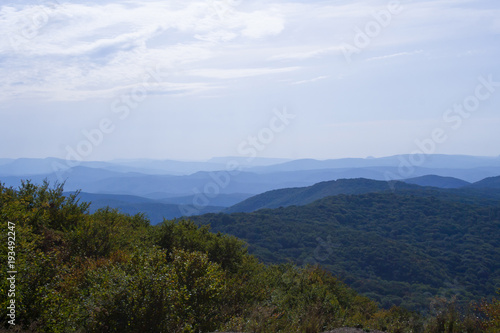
<point x="431" y="161"/>
<point x="97" y="180"/>
<point x="154" y="210"/>
<point x="197" y="185"/>
<point x="37" y="166"/>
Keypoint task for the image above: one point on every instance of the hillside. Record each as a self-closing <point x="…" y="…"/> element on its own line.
<point x="156" y="207"/>
<point x="490" y="182"/>
<point x="110" y="272"/>
<point x="400" y="249"/>
<point x="437" y="181"/>
<point x="304" y="195"/>
<point x="300" y="196"/>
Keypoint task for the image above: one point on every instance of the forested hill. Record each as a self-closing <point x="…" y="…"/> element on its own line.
<point x="304" y="195"/>
<point x="437" y="181"/>
<point x="481" y="193"/>
<point x="490" y="182"/>
<point x="400" y="249"/>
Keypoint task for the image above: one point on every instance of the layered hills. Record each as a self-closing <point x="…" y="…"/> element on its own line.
<point x="179" y="188"/>
<point x="399" y="234"/>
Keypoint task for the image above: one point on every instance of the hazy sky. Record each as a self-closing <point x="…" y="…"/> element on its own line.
<point x="100" y="80"/>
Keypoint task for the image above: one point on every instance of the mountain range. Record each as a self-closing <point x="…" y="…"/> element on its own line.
<point x="177" y="188"/>
<point x="397" y="233"/>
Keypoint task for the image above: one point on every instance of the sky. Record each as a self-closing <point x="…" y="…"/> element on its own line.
<point x="191" y="80"/>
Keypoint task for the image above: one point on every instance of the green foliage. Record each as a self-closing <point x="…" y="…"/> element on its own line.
<point x="107" y="231"/>
<point x="447" y="318"/>
<point x="491" y="312"/>
<point x="398" y="320"/>
<point x="41" y="207"/>
<point x="226" y="250"/>
<point x="303" y="300"/>
<point x="110" y="272"/>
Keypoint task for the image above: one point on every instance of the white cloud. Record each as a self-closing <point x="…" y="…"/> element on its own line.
<point x="91" y="48"/>
<point x="302" y="55"/>
<point x="246" y="56"/>
<point x="239" y="73"/>
<point x="395" y="55"/>
<point x="261" y="24"/>
<point x="163" y="88"/>
<point x="311" y="80"/>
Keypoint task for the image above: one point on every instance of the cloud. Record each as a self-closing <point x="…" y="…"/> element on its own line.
<point x="261" y="24"/>
<point x="395" y="55"/>
<point x="87" y="47"/>
<point x="239" y="73"/>
<point x="162" y="88"/>
<point x="302" y="55"/>
<point x="310" y="80"/>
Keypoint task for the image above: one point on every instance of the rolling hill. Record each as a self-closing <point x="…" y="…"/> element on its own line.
<point x="490" y="182"/>
<point x="437" y="181"/>
<point x="479" y="194"/>
<point x="400" y="249"/>
<point x="304" y="195"/>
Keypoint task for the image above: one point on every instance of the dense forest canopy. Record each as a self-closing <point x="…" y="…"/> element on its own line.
<point x="398" y="248"/>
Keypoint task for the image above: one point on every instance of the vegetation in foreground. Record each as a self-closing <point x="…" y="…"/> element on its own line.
<point x="109" y="272"/>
